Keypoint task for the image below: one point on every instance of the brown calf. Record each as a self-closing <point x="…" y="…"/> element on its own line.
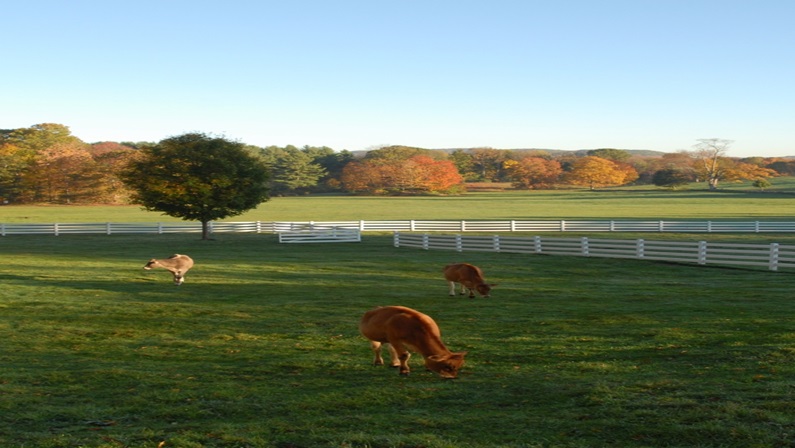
<point x="404" y="328"/>
<point x="469" y="276"/>
<point x="179" y="265"/>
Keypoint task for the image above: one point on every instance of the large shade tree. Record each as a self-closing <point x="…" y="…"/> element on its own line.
<point x="197" y="177"/>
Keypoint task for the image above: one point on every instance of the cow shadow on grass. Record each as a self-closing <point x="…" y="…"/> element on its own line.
<point x="214" y="285"/>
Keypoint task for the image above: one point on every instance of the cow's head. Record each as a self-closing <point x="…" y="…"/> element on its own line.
<point x="446" y="365"/>
<point x="152" y="263"/>
<point x="484" y="289"/>
<point x="178" y="278"/>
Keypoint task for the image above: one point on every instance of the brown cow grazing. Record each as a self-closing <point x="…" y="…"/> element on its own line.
<point x="404" y="328"/>
<point x="179" y="265"/>
<point x="470" y="277"/>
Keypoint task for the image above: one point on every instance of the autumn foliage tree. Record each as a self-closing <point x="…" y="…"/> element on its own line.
<point x="533" y="172"/>
<point x="594" y="172"/>
<point x="46" y="163"/>
<point x="417" y="174"/>
<point x="63" y="172"/>
<point x="711" y="164"/>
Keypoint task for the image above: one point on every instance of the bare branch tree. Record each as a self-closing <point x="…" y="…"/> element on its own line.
<point x="708" y="154"/>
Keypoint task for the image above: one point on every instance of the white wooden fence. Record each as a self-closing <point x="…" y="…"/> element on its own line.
<point x="509" y="225"/>
<point x="773" y="256"/>
<point x="321" y="235"/>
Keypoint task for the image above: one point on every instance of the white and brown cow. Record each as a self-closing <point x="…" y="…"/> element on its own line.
<point x="403" y="329"/>
<point x="177" y="264"/>
<point x="470" y="278"/>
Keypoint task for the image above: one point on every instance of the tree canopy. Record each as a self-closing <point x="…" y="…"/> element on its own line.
<point x="593" y="172"/>
<point x="197" y="177"/>
<point x="45" y="163"/>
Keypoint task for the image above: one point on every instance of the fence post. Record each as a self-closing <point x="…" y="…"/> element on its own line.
<point x="55" y="228"/>
<point x="562" y="225"/>
<point x="107" y="228"/>
<point x="425" y="242"/>
<point x="160" y="228"/>
<point x="463" y="226"/>
<point x="537" y="244"/>
<point x="459" y="244"/>
<point x="396" y="239"/>
<point x="496" y="241"/>
<point x="513" y="225"/>
<point x="756" y="226"/>
<point x="361" y="225"/>
<point x="612" y="225"/>
<point x="210" y="227"/>
<point x="702" y="252"/>
<point x="584" y="246"/>
<point x="774" y="256"/>
<point x="411" y="225"/>
<point x="639" y="248"/>
<point x="661" y="226"/>
<point x="709" y="226"/>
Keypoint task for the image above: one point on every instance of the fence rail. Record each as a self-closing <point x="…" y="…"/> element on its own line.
<point x="773" y="256"/>
<point x="321" y="235"/>
<point x="511" y="225"/>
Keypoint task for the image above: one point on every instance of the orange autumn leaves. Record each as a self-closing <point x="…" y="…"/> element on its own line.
<point x="424" y="174"/>
<point x="589" y="171"/>
<point x="417" y="174"/>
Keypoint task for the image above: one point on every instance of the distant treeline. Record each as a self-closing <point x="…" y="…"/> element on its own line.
<point x="45" y="163"/>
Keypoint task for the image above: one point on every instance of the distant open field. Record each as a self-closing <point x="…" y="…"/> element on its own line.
<point x="629" y="203"/>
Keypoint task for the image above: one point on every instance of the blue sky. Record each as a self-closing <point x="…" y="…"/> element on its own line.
<point x="640" y="74"/>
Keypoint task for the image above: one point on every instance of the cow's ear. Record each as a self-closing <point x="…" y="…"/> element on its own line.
<point x="437" y="358"/>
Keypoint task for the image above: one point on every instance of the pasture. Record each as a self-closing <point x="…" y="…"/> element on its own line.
<point x="737" y="201"/>
<point x="260" y="348"/>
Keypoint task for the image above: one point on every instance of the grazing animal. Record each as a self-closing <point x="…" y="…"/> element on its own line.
<point x="403" y="329"/>
<point x="470" y="277"/>
<point x="179" y="265"/>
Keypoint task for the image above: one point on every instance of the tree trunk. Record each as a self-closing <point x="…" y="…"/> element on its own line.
<point x="205" y="230"/>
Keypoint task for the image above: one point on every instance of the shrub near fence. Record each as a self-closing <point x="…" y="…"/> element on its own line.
<point x="659" y="226"/>
<point x="772" y="256"/>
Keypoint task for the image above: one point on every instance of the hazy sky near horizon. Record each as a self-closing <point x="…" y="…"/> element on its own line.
<point x="351" y="74"/>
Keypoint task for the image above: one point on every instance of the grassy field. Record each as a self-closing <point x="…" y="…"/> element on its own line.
<point x="627" y="203"/>
<point x="260" y="348"/>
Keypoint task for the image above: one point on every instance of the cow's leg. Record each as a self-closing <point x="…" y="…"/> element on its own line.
<point x="452" y="288"/>
<point x="464" y="289"/>
<point x="403" y="356"/>
<point x="394" y="357"/>
<point x="376" y="347"/>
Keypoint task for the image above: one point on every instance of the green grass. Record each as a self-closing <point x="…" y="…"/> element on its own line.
<point x="626" y="203"/>
<point x="260" y="348"/>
